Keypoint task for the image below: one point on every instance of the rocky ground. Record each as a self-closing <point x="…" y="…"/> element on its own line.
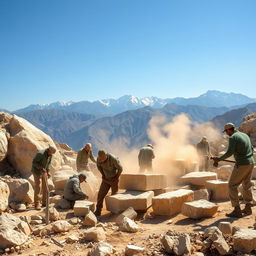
<point x="149" y="236"/>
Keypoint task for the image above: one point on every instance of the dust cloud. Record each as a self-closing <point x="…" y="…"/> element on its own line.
<point x="174" y="145"/>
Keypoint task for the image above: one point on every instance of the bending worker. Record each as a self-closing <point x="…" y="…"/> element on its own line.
<point x="145" y="157"/>
<point x="83" y="156"/>
<point x="240" y="146"/>
<point x="110" y="169"/>
<point x="40" y="166"/>
<point x="73" y="191"/>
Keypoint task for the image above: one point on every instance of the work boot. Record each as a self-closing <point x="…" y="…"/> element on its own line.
<point x="37" y="206"/>
<point x="97" y="213"/>
<point x="247" y="209"/>
<point x="236" y="213"/>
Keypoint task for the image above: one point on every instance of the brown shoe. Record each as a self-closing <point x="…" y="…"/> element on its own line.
<point x="236" y="213"/>
<point x="247" y="209"/>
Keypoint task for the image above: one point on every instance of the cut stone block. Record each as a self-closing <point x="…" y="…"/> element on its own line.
<point x="169" y="189"/>
<point x="144" y="181"/>
<point x="140" y="201"/>
<point x="245" y="240"/>
<point x="224" y="172"/>
<point x="199" y="209"/>
<point x="82" y="208"/>
<point x="171" y="203"/>
<point x="129" y="213"/>
<point x="225" y="227"/>
<point x="198" y="178"/>
<point x="201" y="194"/>
<point x="218" y="189"/>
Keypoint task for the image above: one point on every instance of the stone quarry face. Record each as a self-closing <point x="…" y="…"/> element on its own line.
<point x="140" y="201"/>
<point x="171" y="203"/>
<point x="218" y="189"/>
<point x="199" y="209"/>
<point x="198" y="178"/>
<point x="144" y="181"/>
<point x="249" y="127"/>
<point x="5" y="193"/>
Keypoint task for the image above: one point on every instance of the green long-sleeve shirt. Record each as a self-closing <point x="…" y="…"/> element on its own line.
<point x="83" y="157"/>
<point x="241" y="147"/>
<point x="41" y="161"/>
<point x="110" y="168"/>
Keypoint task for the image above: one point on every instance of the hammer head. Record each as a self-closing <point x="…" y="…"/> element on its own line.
<point x="215" y="164"/>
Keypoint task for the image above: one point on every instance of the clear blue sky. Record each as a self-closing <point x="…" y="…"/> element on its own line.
<point x="58" y="50"/>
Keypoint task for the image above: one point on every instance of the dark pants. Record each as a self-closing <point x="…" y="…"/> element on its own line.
<point x="104" y="188"/>
<point x="72" y="199"/>
<point x="203" y="163"/>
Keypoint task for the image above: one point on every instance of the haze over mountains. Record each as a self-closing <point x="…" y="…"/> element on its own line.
<point x="98" y="123"/>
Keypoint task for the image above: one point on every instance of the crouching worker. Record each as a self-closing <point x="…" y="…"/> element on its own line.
<point x="72" y="190"/>
<point x="110" y="169"/>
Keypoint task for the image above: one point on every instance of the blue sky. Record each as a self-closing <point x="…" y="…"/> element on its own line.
<point x="58" y="50"/>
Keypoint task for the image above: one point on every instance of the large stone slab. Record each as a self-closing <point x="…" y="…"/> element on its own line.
<point x="245" y="240"/>
<point x="4" y="192"/>
<point x="199" y="209"/>
<point x="140" y="201"/>
<point x="171" y="203"/>
<point x="218" y="189"/>
<point x="144" y="181"/>
<point x="82" y="207"/>
<point x="198" y="178"/>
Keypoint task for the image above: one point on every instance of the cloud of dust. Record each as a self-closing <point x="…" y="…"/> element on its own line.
<point x="174" y="145"/>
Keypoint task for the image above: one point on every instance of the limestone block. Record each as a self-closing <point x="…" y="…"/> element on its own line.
<point x="140" y="201"/>
<point x="198" y="178"/>
<point x="225" y="227"/>
<point x="171" y="203"/>
<point x="224" y="172"/>
<point x="128" y="225"/>
<point x="201" y="194"/>
<point x="129" y="213"/>
<point x="199" y="209"/>
<point x="131" y="250"/>
<point x="4" y="192"/>
<point x="61" y="226"/>
<point x="53" y="214"/>
<point x="144" y="181"/>
<point x="218" y="189"/>
<point x="82" y="207"/>
<point x="24" y="227"/>
<point x="95" y="234"/>
<point x="245" y="240"/>
<point x="102" y="249"/>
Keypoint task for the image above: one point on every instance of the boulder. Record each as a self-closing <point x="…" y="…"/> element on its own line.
<point x="25" y="141"/>
<point x="20" y="190"/>
<point x="225" y="227"/>
<point x="218" y="189"/>
<point x="129" y="213"/>
<point x="198" y="178"/>
<point x="61" y="177"/>
<point x="61" y="226"/>
<point x="95" y="234"/>
<point x="171" y="203"/>
<point x="5" y="193"/>
<point x="140" y="201"/>
<point x="90" y="219"/>
<point x="3" y="144"/>
<point x="11" y="233"/>
<point x="245" y="240"/>
<point x="82" y="207"/>
<point x="102" y="249"/>
<point x="72" y="239"/>
<point x="146" y="181"/>
<point x="131" y="250"/>
<point x="177" y="245"/>
<point x="128" y="225"/>
<point x="199" y="209"/>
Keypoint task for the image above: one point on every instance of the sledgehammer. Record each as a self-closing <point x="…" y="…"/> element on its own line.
<point x="215" y="164"/>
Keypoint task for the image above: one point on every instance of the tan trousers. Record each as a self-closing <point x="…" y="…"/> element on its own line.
<point x="39" y="189"/>
<point x="240" y="175"/>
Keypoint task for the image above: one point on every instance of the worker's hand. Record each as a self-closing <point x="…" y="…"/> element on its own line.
<point x="215" y="159"/>
<point x="86" y="197"/>
<point x="48" y="175"/>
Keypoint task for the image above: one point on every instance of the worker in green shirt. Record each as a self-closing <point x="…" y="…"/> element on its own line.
<point x="240" y="146"/>
<point x="40" y="166"/>
<point x="110" y="169"/>
<point x="83" y="156"/>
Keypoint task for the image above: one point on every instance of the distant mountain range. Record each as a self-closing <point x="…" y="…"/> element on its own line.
<point x="115" y="106"/>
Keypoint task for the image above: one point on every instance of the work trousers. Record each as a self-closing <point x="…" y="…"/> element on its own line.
<point x="203" y="163"/>
<point x="145" y="166"/>
<point x="39" y="188"/>
<point x="240" y="175"/>
<point x="104" y="188"/>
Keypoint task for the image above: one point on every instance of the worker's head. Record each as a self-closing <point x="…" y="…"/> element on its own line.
<point x="88" y="147"/>
<point x="204" y="138"/>
<point x="229" y="128"/>
<point x="150" y="145"/>
<point x="51" y="150"/>
<point x="82" y="177"/>
<point x="102" y="156"/>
